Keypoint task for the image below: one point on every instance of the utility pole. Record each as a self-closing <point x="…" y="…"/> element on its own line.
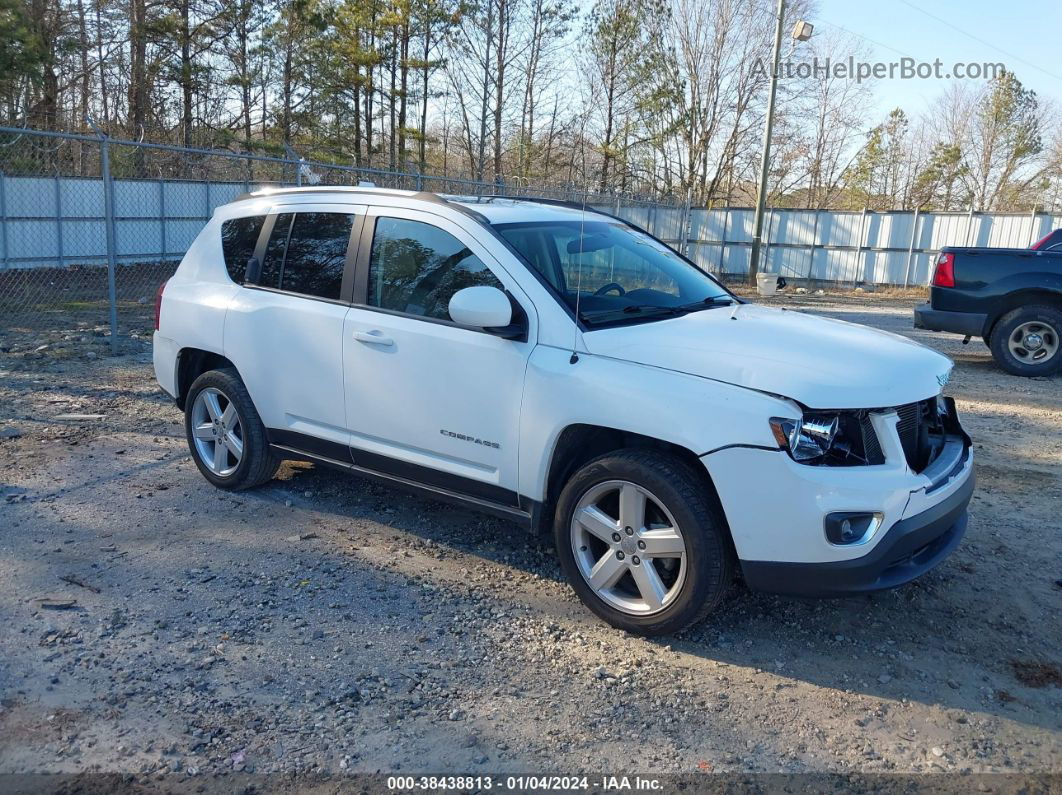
<point x="761" y="193"/>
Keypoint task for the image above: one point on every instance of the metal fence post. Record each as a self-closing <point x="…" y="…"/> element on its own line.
<point x="910" y="248"/>
<point x="722" y="240"/>
<point x="112" y="259"/>
<point x="765" y="254"/>
<point x="59" y="221"/>
<point x="859" y="247"/>
<point x="3" y="220"/>
<point x="162" y="218"/>
<point x="814" y="243"/>
<point x="687" y="222"/>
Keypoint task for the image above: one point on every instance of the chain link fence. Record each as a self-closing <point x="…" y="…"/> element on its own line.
<point x="91" y="226"/>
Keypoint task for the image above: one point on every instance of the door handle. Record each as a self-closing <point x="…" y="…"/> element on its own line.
<point x="373" y="338"/>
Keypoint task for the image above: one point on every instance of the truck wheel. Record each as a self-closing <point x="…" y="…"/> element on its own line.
<point x="225" y="433"/>
<point x="1028" y="341"/>
<point x="641" y="542"/>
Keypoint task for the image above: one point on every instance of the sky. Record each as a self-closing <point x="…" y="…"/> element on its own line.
<point x="1022" y="34"/>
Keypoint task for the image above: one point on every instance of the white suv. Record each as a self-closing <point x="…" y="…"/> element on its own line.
<point x="563" y="368"/>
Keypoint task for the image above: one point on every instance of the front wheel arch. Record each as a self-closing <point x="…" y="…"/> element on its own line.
<point x="580" y="443"/>
<point x="706" y="565"/>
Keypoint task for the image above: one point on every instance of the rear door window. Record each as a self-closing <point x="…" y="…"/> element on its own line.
<point x="317" y="254"/>
<point x="307" y="253"/>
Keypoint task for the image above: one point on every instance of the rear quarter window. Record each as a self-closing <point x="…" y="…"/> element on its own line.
<point x="239" y="236"/>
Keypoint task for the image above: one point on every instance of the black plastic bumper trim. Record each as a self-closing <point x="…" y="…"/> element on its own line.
<point x="966" y="323"/>
<point x="909" y="549"/>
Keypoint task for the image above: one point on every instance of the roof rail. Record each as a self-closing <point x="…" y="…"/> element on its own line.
<point x="570" y="205"/>
<point x="421" y="195"/>
<point x="536" y="199"/>
<point x="299" y="190"/>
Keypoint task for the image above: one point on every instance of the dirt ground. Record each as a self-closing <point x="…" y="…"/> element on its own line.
<point x="322" y="623"/>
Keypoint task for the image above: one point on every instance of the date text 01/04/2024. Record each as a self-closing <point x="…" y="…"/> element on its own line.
<point x="523" y="783"/>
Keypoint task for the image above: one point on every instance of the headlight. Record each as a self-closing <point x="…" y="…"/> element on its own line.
<point x="828" y="438"/>
<point x="807" y="439"/>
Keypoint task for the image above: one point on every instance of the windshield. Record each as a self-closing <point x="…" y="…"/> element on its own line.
<point x="618" y="273"/>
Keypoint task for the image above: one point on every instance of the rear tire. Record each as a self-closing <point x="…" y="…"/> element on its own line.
<point x="1028" y="341"/>
<point x="225" y="434"/>
<point x="672" y="564"/>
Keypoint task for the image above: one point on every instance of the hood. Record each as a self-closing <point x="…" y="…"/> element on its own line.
<point x="820" y="362"/>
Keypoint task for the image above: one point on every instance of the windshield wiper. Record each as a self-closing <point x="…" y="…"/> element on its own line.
<point x="710" y="302"/>
<point x="656" y="310"/>
<point x="651" y="310"/>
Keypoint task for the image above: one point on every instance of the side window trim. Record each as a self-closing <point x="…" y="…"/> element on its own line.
<point x="354" y="246"/>
<point x="263" y="240"/>
<point x="360" y="286"/>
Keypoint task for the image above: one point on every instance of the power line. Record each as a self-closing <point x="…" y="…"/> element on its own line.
<point x="864" y="38"/>
<point x="980" y="40"/>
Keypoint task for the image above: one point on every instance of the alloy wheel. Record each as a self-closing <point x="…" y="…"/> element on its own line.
<point x="217" y="432"/>
<point x="628" y="547"/>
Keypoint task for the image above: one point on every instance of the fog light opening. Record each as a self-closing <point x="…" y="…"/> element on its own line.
<point x="848" y="528"/>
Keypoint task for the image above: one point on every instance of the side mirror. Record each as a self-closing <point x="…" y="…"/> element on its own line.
<point x="484" y="307"/>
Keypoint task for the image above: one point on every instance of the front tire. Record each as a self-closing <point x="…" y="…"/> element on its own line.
<point x="642" y="543"/>
<point x="225" y="434"/>
<point x="1028" y="341"/>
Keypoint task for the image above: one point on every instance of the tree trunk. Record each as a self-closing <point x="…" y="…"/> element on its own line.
<point x="137" y="70"/>
<point x="286" y="92"/>
<point x="84" y="107"/>
<point x="186" y="74"/>
<point x="481" y="165"/>
<point x="392" y="98"/>
<point x="610" y="99"/>
<point x="99" y="53"/>
<point x="499" y="85"/>
<point x="369" y="88"/>
<point x="357" y="113"/>
<point x="424" y="98"/>
<point x="403" y="68"/>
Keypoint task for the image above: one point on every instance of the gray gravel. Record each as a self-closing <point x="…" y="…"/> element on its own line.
<point x="322" y="623"/>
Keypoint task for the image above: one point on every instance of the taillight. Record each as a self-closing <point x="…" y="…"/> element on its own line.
<point x="944" y="275"/>
<point x="1043" y="240"/>
<point x="158" y="304"/>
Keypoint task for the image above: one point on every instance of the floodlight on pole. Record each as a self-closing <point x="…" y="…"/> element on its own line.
<point x="802" y="30"/>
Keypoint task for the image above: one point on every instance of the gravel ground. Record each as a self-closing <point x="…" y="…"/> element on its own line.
<point x="323" y="623"/>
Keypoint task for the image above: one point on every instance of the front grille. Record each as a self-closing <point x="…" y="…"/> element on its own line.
<point x="916" y="420"/>
<point x="871" y="446"/>
<point x="907" y="428"/>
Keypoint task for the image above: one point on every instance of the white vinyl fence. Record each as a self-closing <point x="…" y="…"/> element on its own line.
<point x="60" y="221"/>
<point x="887" y="248"/>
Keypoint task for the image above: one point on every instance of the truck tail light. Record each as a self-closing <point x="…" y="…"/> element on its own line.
<point x="944" y="275"/>
<point x="1049" y="239"/>
<point x="158" y="304"/>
